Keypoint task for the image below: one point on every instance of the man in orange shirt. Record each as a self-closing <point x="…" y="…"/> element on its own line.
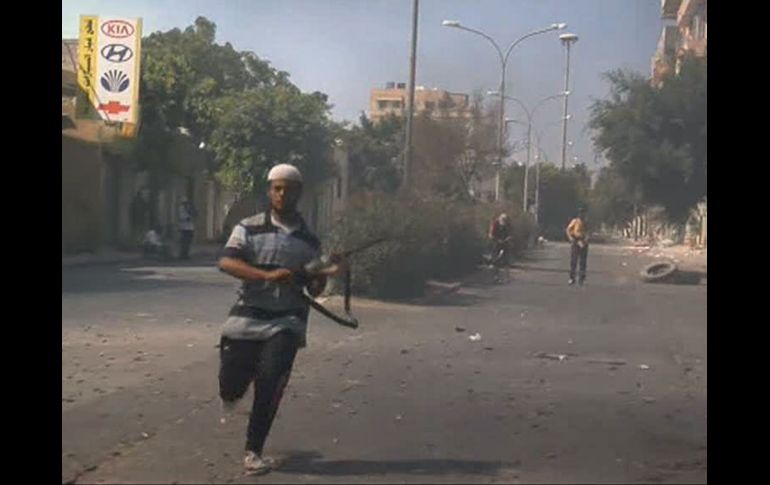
<point x="578" y="238"/>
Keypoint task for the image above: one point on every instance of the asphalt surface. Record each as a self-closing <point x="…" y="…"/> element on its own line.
<point x="604" y="383"/>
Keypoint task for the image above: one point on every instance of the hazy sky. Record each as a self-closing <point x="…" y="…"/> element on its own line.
<point x="346" y="47"/>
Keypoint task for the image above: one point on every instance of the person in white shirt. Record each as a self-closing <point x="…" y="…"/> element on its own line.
<point x="153" y="243"/>
<point x="186" y="216"/>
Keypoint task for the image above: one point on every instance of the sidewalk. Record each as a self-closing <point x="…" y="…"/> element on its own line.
<point x="113" y="256"/>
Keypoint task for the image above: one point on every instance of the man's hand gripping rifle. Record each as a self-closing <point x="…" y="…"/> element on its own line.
<point x="328" y="265"/>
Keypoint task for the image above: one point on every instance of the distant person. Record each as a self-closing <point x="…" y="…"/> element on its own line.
<point x="186" y="220"/>
<point x="139" y="215"/>
<point x="153" y="244"/>
<point x="500" y="235"/>
<point x="578" y="238"/>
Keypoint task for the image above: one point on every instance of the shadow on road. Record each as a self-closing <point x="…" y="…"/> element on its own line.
<point x="553" y="270"/>
<point x="311" y="462"/>
<point x="683" y="278"/>
<point x="689" y="277"/>
<point x="535" y="256"/>
<point x="133" y="277"/>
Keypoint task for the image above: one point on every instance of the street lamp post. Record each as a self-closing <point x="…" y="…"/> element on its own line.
<point x="410" y="108"/>
<point x="530" y="117"/>
<point x="503" y="64"/>
<point x="567" y="40"/>
<point x="540" y="151"/>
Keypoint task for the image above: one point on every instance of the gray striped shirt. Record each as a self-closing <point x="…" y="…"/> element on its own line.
<point x="265" y="308"/>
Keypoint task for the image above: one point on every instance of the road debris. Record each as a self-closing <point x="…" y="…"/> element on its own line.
<point x="545" y="355"/>
<point x="607" y="361"/>
<point x="475" y="337"/>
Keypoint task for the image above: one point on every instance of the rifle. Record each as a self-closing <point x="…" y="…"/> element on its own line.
<point x="326" y="265"/>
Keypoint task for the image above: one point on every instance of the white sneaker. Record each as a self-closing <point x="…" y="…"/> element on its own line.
<point x="256" y="465"/>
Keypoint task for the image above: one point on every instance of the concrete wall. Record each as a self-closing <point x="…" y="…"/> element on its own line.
<point x="98" y="189"/>
<point x="82" y="215"/>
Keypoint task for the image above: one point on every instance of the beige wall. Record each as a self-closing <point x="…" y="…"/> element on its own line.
<point x="81" y="195"/>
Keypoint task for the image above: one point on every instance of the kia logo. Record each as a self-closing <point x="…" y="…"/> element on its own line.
<point x="117" y="53"/>
<point x="117" y="29"/>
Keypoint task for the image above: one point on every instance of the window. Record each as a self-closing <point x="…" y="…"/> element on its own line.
<point x="388" y="104"/>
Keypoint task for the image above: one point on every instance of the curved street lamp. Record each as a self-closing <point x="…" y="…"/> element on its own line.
<point x="503" y="63"/>
<point x="567" y="40"/>
<point x="530" y="118"/>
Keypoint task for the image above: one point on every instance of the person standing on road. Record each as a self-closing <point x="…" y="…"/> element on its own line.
<point x="186" y="217"/>
<point x="578" y="238"/>
<point x="139" y="211"/>
<point x="268" y="323"/>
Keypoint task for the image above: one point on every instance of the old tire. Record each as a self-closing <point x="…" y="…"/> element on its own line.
<point x="659" y="272"/>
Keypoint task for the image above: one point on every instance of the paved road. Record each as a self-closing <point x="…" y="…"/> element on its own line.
<point x="604" y="383"/>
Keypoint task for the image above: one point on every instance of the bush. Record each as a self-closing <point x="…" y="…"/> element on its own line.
<point x="428" y="237"/>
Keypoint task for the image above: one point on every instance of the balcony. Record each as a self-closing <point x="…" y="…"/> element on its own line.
<point x="696" y="46"/>
<point x="661" y="68"/>
<point x="669" y="8"/>
<point x="687" y="9"/>
<point x="668" y="41"/>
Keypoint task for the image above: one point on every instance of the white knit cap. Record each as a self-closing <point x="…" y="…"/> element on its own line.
<point x="284" y="171"/>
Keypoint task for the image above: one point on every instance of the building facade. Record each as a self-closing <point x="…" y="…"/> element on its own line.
<point x="438" y="103"/>
<point x="686" y="34"/>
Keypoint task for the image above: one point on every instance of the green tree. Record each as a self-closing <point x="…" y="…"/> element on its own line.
<point x="656" y="138"/>
<point x="453" y="153"/>
<point x="610" y="200"/>
<point x="561" y="193"/>
<point x="450" y="153"/>
<point x="375" y="154"/>
<point x="247" y="113"/>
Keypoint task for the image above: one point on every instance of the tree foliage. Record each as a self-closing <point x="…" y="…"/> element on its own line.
<point x="655" y="138"/>
<point x="248" y="114"/>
